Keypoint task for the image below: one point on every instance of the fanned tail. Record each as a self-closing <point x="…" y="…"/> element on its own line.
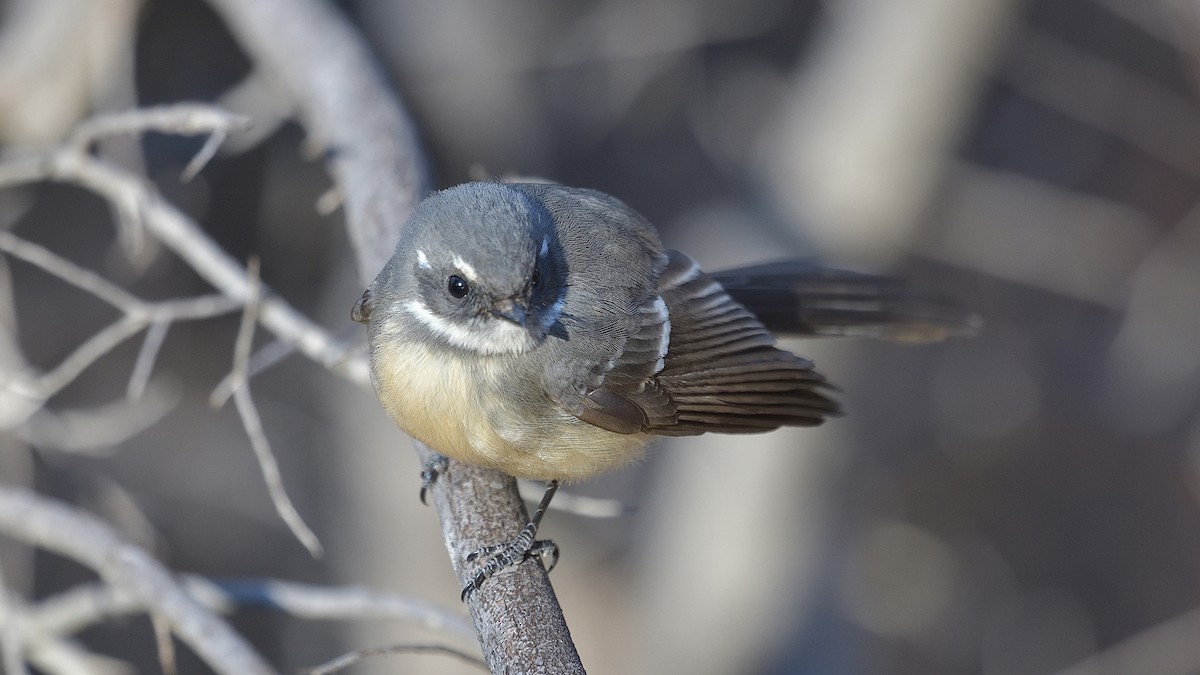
<point x="800" y="299"/>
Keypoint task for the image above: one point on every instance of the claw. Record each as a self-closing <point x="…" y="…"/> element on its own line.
<point x="433" y="468"/>
<point x="547" y="550"/>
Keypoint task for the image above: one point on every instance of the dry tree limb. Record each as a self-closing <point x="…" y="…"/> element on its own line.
<point x="347" y="107"/>
<point x="56" y="527"/>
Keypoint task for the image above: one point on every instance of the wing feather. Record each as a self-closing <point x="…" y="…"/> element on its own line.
<point x="702" y="362"/>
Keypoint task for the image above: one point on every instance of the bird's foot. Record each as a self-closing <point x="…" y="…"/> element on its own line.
<point x="501" y="556"/>
<point x="517" y="550"/>
<point x="433" y="468"/>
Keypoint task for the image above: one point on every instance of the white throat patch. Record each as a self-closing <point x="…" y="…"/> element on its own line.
<point x="483" y="335"/>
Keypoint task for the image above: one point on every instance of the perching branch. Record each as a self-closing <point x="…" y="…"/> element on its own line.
<point x="380" y="172"/>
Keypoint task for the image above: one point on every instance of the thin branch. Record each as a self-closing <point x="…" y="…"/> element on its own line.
<point x="254" y="428"/>
<point x="577" y="505"/>
<point x="259" y="361"/>
<point x="74" y="610"/>
<point x="163" y="643"/>
<point x="12" y="647"/>
<point x="43" y="387"/>
<point x="96" y="430"/>
<point x="347" y="660"/>
<point x="59" y="528"/>
<point x="71" y="273"/>
<point x="84" y="355"/>
<point x="204" y="155"/>
<point x="184" y="119"/>
<point x="51" y="654"/>
<point x="184" y="237"/>
<point x="151" y="344"/>
<point x="273" y="353"/>
<point x="64" y="657"/>
<point x="137" y="315"/>
<point x="307" y="601"/>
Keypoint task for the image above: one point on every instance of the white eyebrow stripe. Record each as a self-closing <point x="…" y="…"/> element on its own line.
<point x="423" y="260"/>
<point x="465" y="267"/>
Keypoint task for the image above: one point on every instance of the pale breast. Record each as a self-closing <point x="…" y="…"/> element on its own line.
<point x="465" y="410"/>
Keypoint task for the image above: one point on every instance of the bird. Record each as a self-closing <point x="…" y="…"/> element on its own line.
<point x="545" y="331"/>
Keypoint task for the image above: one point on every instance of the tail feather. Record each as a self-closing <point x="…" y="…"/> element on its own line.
<point x="800" y="299"/>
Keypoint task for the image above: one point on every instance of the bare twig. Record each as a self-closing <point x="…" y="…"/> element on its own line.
<point x="59" y="528"/>
<point x="51" y="654"/>
<point x="578" y="505"/>
<point x="261" y="99"/>
<point x="163" y="643"/>
<point x="180" y="233"/>
<point x="138" y="314"/>
<point x="253" y="423"/>
<point x="85" y="355"/>
<point x="268" y="356"/>
<point x="151" y="344"/>
<point x="347" y="660"/>
<point x="12" y="648"/>
<point x="74" y="610"/>
<point x="186" y="119"/>
<point x="64" y="657"/>
<point x="307" y="601"/>
<point x="96" y="430"/>
<point x="83" y="279"/>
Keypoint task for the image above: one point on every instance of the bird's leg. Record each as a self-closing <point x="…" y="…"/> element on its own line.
<point x="524" y="546"/>
<point x="433" y="468"/>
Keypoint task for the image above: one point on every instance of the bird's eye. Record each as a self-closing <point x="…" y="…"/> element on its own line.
<point x="457" y="287"/>
<point x="536" y="279"/>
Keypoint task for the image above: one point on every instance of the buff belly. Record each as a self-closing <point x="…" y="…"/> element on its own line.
<point x="442" y="401"/>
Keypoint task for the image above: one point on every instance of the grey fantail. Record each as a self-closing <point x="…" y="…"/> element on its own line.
<point x="543" y="330"/>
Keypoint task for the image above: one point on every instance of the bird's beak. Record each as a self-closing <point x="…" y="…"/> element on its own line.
<point x="510" y="310"/>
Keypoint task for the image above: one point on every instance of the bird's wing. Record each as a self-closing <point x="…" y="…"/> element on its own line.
<point x="625" y="397"/>
<point x="704" y="364"/>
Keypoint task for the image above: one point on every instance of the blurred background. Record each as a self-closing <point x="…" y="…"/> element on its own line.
<point x="1024" y="502"/>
